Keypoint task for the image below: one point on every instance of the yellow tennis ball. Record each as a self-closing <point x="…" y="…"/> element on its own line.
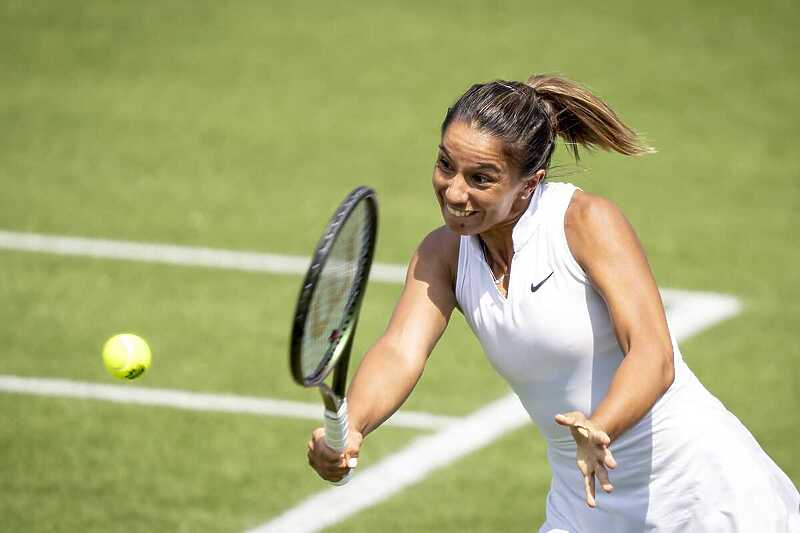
<point x="126" y="356"/>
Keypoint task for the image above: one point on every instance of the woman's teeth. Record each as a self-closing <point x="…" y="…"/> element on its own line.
<point x="458" y="212"/>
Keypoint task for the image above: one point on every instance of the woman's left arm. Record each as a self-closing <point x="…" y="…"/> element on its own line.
<point x="606" y="247"/>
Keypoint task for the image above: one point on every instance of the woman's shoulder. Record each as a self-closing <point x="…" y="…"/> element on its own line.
<point x="595" y="227"/>
<point x="440" y="244"/>
<point x="439" y="250"/>
<point x="442" y="239"/>
<point x="587" y="212"/>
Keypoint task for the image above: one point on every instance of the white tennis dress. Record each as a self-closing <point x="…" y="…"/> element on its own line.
<point x="688" y="465"/>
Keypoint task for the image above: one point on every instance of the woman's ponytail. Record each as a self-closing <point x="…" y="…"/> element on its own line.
<point x="581" y="118"/>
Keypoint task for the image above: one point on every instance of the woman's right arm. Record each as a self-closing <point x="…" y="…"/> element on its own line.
<point x="392" y="366"/>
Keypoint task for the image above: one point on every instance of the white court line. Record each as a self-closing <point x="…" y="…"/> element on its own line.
<point x="687" y="312"/>
<point x="197" y="401"/>
<point x="690" y="312"/>
<point x="176" y="255"/>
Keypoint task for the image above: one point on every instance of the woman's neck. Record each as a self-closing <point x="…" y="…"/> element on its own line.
<point x="498" y="247"/>
<point x="498" y="241"/>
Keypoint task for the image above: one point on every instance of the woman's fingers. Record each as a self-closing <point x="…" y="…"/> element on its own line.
<point x="602" y="477"/>
<point x="593" y="470"/>
<point x="351" y="452"/>
<point x="587" y="472"/>
<point x="589" y="484"/>
<point x="571" y="419"/>
<point x="577" y="423"/>
<point x="582" y="431"/>
<point x="329" y="464"/>
<point x="327" y="454"/>
<point x="600" y="437"/>
<point x="593" y="455"/>
<point x="564" y="420"/>
<point x="588" y="481"/>
<point x="608" y="459"/>
<point x="331" y="473"/>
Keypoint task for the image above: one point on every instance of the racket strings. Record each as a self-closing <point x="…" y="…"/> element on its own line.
<point x="334" y="294"/>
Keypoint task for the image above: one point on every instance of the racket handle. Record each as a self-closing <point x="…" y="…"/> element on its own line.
<point x="336" y="431"/>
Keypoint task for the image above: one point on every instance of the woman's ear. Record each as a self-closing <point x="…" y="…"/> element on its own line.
<point x="532" y="183"/>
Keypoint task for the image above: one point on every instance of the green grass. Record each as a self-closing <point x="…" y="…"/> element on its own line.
<point x="105" y="467"/>
<point x="487" y="491"/>
<point x="241" y="125"/>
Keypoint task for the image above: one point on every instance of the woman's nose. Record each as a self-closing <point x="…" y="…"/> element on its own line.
<point x="456" y="192"/>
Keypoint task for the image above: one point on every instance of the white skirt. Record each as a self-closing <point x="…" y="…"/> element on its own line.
<point x="696" y="469"/>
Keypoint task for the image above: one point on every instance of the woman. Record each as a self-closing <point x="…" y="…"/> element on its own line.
<point x="556" y="286"/>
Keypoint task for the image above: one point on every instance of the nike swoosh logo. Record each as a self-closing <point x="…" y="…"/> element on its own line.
<point x="535" y="288"/>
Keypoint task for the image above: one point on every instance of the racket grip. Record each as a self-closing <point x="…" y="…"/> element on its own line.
<point x="336" y="431"/>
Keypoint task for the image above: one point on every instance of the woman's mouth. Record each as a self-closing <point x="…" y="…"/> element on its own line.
<point x="460" y="213"/>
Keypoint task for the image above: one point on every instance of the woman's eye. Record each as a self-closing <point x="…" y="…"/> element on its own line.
<point x="444" y="164"/>
<point x="480" y="179"/>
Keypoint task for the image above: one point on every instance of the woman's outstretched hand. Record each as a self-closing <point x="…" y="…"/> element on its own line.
<point x="330" y="464"/>
<point x="593" y="456"/>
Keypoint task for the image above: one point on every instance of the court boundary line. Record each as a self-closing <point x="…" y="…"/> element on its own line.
<point x="688" y="313"/>
<point x="171" y="254"/>
<point x="197" y="401"/>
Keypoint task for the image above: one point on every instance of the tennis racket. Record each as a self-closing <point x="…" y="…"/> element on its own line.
<point x="327" y="310"/>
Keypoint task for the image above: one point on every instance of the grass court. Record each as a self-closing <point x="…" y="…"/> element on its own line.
<point x="240" y="126"/>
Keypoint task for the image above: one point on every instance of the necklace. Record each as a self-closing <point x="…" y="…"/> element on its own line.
<point x="497" y="280"/>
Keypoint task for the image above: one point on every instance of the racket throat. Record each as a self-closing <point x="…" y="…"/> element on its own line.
<point x="331" y="400"/>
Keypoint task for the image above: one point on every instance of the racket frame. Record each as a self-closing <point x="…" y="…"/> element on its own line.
<point x="340" y="349"/>
<point x="337" y="357"/>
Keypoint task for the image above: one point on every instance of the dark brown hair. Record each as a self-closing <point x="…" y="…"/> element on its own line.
<point x="529" y="116"/>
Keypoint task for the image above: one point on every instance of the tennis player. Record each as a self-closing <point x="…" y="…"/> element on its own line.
<point x="556" y="286"/>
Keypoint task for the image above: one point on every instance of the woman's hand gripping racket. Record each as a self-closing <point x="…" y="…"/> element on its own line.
<point x="327" y="309"/>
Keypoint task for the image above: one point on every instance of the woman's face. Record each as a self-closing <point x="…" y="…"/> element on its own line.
<point x="476" y="186"/>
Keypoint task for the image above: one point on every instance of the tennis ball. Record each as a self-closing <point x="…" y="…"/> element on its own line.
<point x="126" y="356"/>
